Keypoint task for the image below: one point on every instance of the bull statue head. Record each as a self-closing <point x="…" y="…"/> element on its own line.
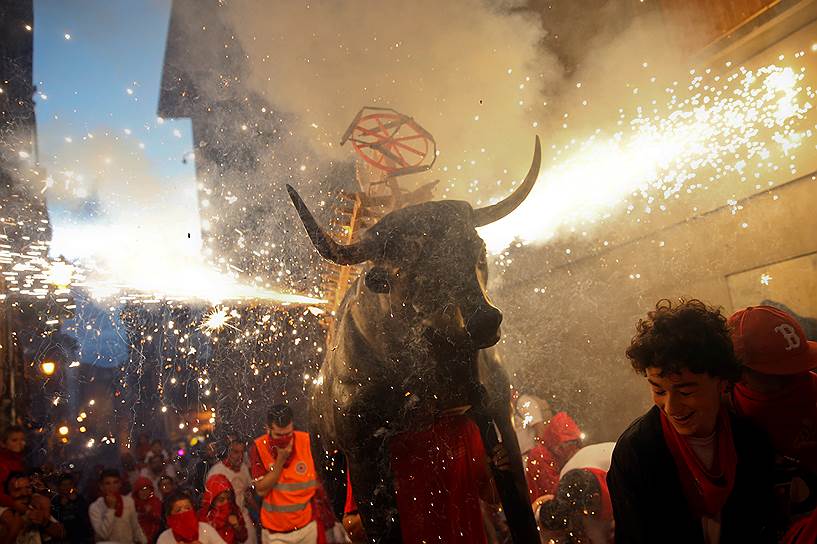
<point x="429" y="261"/>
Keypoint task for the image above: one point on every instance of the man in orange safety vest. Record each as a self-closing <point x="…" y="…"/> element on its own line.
<point x="285" y="479"/>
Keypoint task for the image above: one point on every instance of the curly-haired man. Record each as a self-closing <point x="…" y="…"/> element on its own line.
<point x="688" y="471"/>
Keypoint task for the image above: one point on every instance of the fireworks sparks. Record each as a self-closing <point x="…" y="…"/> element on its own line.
<point x="739" y="126"/>
<point x="32" y="274"/>
<point x="60" y="274"/>
<point x="217" y="319"/>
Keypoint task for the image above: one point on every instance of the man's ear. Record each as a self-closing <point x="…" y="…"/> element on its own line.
<point x="377" y="280"/>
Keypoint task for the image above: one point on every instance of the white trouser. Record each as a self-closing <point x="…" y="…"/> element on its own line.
<point x="308" y="534"/>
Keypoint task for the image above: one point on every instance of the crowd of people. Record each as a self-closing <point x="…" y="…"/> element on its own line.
<point x="234" y="489"/>
<point x="726" y="454"/>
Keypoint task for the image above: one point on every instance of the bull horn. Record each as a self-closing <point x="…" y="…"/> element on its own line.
<point x="328" y="248"/>
<point x="489" y="214"/>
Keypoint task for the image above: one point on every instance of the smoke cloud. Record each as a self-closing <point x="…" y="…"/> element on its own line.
<point x="473" y="74"/>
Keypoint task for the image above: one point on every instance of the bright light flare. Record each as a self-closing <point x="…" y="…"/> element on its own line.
<point x="60" y="274"/>
<point x="217" y="319"/>
<point x="48" y="367"/>
<point x="148" y="269"/>
<point x="725" y="127"/>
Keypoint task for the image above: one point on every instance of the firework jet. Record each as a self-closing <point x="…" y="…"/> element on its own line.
<point x="740" y="125"/>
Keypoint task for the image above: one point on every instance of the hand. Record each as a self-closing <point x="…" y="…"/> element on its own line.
<point x="354" y="527"/>
<point x="110" y="501"/>
<point x="232" y="519"/>
<point x="500" y="458"/>
<point x="283" y="453"/>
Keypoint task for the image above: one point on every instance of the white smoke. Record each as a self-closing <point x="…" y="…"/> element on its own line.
<point x="473" y="74"/>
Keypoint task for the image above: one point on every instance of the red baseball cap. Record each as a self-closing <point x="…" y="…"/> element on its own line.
<point x="771" y="341"/>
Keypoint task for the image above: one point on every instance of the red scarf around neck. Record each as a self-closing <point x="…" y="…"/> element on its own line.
<point x="706" y="490"/>
<point x="119" y="509"/>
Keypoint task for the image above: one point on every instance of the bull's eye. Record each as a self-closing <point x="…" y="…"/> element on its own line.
<point x="377" y="280"/>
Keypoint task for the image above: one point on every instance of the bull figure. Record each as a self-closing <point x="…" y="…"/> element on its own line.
<point x="407" y="347"/>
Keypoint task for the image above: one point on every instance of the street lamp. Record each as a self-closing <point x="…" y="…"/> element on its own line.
<point x="63" y="430"/>
<point x="48" y="367"/>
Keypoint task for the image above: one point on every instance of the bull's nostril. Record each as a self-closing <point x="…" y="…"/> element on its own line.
<point x="484" y="322"/>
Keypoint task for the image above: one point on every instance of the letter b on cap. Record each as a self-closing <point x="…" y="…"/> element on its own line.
<point x="788" y="332"/>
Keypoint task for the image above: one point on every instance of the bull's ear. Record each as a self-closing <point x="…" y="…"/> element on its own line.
<point x="377" y="280"/>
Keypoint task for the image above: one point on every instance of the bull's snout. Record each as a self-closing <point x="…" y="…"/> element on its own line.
<point x="483" y="326"/>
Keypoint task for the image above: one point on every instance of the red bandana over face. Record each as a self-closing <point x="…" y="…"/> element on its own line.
<point x="280" y="443"/>
<point x="706" y="490"/>
<point x="185" y="526"/>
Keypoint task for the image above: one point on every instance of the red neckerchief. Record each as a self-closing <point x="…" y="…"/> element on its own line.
<point x="706" y="490"/>
<point x="185" y="526"/>
<point x="120" y="505"/>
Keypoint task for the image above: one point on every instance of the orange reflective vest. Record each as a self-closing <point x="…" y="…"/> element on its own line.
<point x="287" y="506"/>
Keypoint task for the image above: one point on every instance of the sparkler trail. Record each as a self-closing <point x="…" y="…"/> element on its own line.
<point x="186" y="279"/>
<point x="733" y="125"/>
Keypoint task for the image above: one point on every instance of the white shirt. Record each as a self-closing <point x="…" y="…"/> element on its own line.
<point x="527" y="414"/>
<point x="109" y="528"/>
<point x="207" y="535"/>
<point x="704" y="449"/>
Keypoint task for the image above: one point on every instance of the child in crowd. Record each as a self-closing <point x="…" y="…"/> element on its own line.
<point x="561" y="438"/>
<point x="148" y="508"/>
<point x="219" y="509"/>
<point x="113" y="515"/>
<point x="184" y="526"/>
<point x="581" y="511"/>
<point x="12" y="445"/>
